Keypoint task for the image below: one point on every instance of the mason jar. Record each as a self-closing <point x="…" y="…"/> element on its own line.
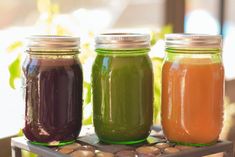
<point x="122" y="85"/>
<point x="192" y="89"/>
<point x="53" y="90"/>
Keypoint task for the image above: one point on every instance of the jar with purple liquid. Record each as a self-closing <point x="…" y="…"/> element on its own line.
<point x="53" y="90"/>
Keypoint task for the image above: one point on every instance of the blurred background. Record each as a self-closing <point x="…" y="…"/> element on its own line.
<point x="85" y="18"/>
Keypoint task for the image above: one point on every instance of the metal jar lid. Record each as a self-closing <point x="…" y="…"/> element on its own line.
<point x="52" y="43"/>
<point x="122" y="41"/>
<point x="193" y="41"/>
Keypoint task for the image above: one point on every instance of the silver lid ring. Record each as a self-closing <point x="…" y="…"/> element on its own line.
<point x="122" y="41"/>
<point x="193" y="41"/>
<point x="52" y="43"/>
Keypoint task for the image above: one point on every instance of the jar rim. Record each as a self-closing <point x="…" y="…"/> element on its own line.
<point x="52" y="43"/>
<point x="193" y="50"/>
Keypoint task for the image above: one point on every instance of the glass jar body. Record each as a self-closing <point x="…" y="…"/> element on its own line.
<point x="122" y="86"/>
<point x="53" y="98"/>
<point x="192" y="96"/>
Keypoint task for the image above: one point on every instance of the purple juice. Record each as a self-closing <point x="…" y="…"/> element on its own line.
<point x="53" y="98"/>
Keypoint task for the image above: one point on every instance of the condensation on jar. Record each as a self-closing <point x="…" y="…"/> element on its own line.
<point x="52" y="90"/>
<point x="192" y="89"/>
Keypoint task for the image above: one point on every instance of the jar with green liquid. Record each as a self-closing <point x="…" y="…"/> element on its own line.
<point x="122" y="86"/>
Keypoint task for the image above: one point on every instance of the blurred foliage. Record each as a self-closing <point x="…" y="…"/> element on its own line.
<point x="15" y="67"/>
<point x="155" y="36"/>
<point x="87" y="101"/>
<point x="157" y="67"/>
<point x="48" y="10"/>
<point x="15" y="71"/>
<point x="157" y="70"/>
<point x="165" y="30"/>
<point x="14" y="46"/>
<point x="87" y="121"/>
<point x="88" y="95"/>
<point x="28" y="154"/>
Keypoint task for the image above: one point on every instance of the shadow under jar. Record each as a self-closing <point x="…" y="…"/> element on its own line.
<point x="53" y="90"/>
<point x="122" y="86"/>
<point x="192" y="89"/>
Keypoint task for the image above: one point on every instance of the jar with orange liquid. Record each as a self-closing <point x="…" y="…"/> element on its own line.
<point x="192" y="89"/>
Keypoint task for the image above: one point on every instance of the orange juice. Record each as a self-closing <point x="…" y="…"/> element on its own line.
<point x="192" y="100"/>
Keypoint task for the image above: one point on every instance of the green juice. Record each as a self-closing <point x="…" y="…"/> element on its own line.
<point x="122" y="85"/>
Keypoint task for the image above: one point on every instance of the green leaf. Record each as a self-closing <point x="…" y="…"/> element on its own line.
<point x="15" y="45"/>
<point x="157" y="66"/>
<point x="88" y="94"/>
<point x="87" y="101"/>
<point x="153" y="38"/>
<point x="28" y="154"/>
<point x="20" y="133"/>
<point x="87" y="121"/>
<point x="15" y="71"/>
<point x="165" y="30"/>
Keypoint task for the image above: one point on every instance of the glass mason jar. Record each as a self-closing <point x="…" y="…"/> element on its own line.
<point x="53" y="90"/>
<point x="122" y="85"/>
<point x="192" y="89"/>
